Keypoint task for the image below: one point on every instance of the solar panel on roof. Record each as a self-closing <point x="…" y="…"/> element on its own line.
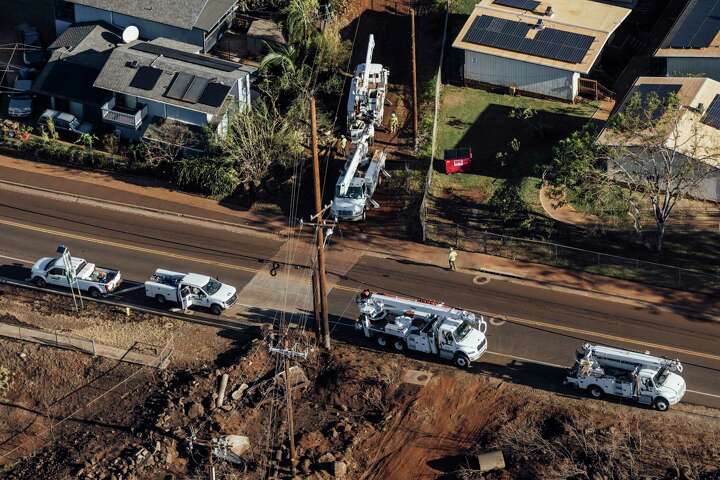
<point x="179" y="86"/>
<point x="699" y="26"/>
<point x="192" y="58"/>
<point x="214" y="94"/>
<point x="195" y="90"/>
<point x="521" y="4"/>
<point x="712" y="115"/>
<point x="146" y="78"/>
<point x="511" y="35"/>
<point x="663" y="92"/>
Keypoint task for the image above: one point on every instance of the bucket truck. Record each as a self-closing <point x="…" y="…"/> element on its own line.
<point x="422" y="325"/>
<point x="366" y="103"/>
<point x="645" y="378"/>
<point x="358" y="180"/>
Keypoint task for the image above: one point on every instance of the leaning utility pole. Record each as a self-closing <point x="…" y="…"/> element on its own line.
<point x="322" y="278"/>
<point x="414" y="78"/>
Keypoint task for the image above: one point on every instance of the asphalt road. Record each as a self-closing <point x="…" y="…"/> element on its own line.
<point x="532" y="347"/>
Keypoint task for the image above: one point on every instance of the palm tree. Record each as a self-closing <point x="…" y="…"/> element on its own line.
<point x="301" y="18"/>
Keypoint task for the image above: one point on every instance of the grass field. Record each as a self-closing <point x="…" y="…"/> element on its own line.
<point x="511" y="138"/>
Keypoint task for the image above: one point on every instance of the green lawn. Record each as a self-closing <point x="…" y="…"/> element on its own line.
<point x="512" y="139"/>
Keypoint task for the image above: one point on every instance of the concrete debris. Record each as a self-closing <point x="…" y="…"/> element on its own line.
<point x="238" y="393"/>
<point x="339" y="470"/>
<point x="297" y="377"/>
<point x="489" y="461"/>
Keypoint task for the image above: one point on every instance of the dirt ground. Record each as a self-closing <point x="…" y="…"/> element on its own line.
<point x="358" y="414"/>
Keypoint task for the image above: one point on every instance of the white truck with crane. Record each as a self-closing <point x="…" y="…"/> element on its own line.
<point x="642" y="377"/>
<point x="190" y="289"/>
<point x="358" y="180"/>
<point x="423" y="326"/>
<point x="72" y="272"/>
<point x="366" y="102"/>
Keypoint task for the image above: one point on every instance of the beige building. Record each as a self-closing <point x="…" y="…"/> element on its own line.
<point x="694" y="137"/>
<point x="541" y="47"/>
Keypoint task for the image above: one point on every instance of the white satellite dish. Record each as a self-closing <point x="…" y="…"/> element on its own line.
<point x="130" y="34"/>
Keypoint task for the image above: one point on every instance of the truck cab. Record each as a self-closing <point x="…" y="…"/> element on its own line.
<point x="642" y="377"/>
<point x="190" y="289"/>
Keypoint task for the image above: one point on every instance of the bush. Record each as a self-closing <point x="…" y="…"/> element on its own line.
<point x="206" y="175"/>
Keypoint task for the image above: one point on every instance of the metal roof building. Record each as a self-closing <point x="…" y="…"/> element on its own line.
<point x="537" y="47"/>
<point x="692" y="47"/>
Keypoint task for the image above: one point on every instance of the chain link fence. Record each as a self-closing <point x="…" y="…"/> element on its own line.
<point x="548" y="253"/>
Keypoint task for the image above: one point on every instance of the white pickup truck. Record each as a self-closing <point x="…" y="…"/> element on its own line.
<point x="95" y="280"/>
<point x="190" y="289"/>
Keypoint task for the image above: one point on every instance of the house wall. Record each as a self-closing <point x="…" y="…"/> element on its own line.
<point x="163" y="110"/>
<point x="529" y="77"/>
<point x="708" y="189"/>
<point x="212" y="37"/>
<point x="148" y="30"/>
<point x="705" y="67"/>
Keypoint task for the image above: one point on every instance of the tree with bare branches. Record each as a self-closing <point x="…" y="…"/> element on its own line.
<point x="662" y="151"/>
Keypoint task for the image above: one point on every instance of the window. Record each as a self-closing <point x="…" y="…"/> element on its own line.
<point x="56" y="271"/>
<point x="212" y="287"/>
<point x="462" y="331"/>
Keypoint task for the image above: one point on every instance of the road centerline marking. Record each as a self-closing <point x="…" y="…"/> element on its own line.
<point x="230" y="266"/>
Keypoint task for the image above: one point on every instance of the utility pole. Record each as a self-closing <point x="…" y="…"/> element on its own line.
<point x="291" y="420"/>
<point x="316" y="304"/>
<point x="322" y="278"/>
<point x="286" y="355"/>
<point x="414" y="78"/>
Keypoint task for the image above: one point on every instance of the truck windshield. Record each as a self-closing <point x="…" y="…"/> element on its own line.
<point x="353" y="192"/>
<point x="212" y="287"/>
<point x="462" y="331"/>
<point x="661" y="376"/>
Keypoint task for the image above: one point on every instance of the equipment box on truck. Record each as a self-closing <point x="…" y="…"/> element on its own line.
<point x="423" y="326"/>
<point x="190" y="289"/>
<point x="642" y="377"/>
<point x="97" y="281"/>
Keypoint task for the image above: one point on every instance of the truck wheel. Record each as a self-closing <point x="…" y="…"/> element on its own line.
<point x="382" y="341"/>
<point x="160" y="299"/>
<point x="399" y="345"/>
<point x="39" y="282"/>
<point x="94" y="293"/>
<point x="661" y="404"/>
<point x="462" y="360"/>
<point x="216" y="309"/>
<point x="595" y="391"/>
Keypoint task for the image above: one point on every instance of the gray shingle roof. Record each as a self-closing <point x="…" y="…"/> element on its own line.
<point x="117" y="76"/>
<point x="202" y="14"/>
<point x="72" y="36"/>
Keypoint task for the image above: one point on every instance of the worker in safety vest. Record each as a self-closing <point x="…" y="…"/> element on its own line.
<point x="393" y="123"/>
<point x="452" y="256"/>
<point x="343" y="145"/>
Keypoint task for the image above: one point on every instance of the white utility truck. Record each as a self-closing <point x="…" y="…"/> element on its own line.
<point x="72" y="272"/>
<point x="190" y="289"/>
<point x="357" y="183"/>
<point x="422" y="325"/>
<point x="366" y="102"/>
<point x="645" y="378"/>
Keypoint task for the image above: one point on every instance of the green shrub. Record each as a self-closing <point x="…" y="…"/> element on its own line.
<point x="206" y="175"/>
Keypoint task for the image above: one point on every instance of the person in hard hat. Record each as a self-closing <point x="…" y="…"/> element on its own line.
<point x="393" y="123"/>
<point x="452" y="256"/>
<point x="343" y="145"/>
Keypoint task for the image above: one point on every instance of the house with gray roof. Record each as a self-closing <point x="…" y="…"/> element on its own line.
<point x="77" y="57"/>
<point x="196" y="22"/>
<point x="165" y="80"/>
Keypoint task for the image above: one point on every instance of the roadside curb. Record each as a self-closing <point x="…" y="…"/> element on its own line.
<point x="148" y="211"/>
